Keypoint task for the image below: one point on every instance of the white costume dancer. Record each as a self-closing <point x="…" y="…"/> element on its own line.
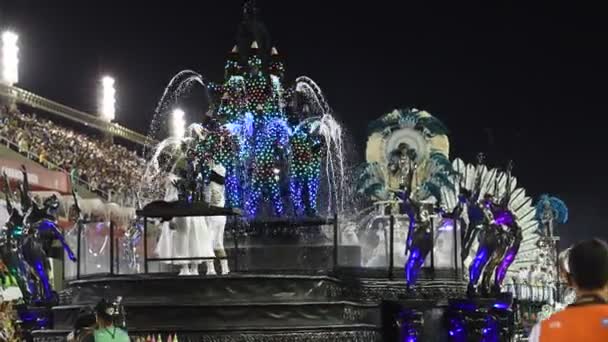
<point x="216" y="197"/>
<point x="184" y="237"/>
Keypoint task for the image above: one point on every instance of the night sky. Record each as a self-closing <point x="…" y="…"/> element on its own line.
<point x="514" y="82"/>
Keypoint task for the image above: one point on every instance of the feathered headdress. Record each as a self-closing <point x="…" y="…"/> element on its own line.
<point x="425" y="138"/>
<point x="412" y="118"/>
<point x="559" y="208"/>
<point x="371" y="181"/>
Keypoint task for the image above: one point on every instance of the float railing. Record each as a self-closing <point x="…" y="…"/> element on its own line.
<point x="83" y="255"/>
<point x="169" y="210"/>
<point x="268" y="241"/>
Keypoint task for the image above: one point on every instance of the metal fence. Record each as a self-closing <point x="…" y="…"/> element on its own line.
<point x="271" y="245"/>
<point x="100" y="250"/>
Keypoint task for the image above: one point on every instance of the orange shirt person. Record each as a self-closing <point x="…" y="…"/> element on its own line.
<point x="587" y="318"/>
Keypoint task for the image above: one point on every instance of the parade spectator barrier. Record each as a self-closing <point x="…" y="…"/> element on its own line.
<point x="39" y="177"/>
<point x="49" y="166"/>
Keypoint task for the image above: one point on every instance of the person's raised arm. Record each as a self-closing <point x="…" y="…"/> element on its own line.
<point x="7" y="193"/>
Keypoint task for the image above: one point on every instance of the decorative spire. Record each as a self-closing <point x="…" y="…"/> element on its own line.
<point x="507" y="197"/>
<point x="480" y="158"/>
<point x="235" y="49"/>
<point x="251" y="31"/>
<point x="274" y="51"/>
<point x="250" y="10"/>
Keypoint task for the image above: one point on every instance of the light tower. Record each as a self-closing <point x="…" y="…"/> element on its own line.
<point x="9" y="64"/>
<point x="107" y="107"/>
<point x="178" y="123"/>
<point x="10" y="58"/>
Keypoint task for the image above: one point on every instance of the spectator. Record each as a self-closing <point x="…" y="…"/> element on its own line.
<point x="106" y="330"/>
<point x="42" y="158"/>
<point x="587" y="318"/>
<point x="23" y="145"/>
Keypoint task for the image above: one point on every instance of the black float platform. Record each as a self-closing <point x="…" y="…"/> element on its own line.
<point x="319" y="303"/>
<point x="234" y="287"/>
<point x="247" y="307"/>
<point x="235" y="307"/>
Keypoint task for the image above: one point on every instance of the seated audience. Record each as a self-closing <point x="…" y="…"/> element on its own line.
<point x="106" y="167"/>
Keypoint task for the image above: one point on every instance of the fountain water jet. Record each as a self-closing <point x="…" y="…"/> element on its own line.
<point x="276" y="143"/>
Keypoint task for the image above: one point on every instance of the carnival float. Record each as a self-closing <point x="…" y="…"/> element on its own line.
<point x="441" y="249"/>
<point x="505" y="244"/>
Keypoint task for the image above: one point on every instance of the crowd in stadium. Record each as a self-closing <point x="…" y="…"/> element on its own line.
<point x="107" y="168"/>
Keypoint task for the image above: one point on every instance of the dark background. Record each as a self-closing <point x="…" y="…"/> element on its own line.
<point x="513" y="81"/>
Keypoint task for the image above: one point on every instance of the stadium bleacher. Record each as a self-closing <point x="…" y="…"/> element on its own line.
<point x="102" y="167"/>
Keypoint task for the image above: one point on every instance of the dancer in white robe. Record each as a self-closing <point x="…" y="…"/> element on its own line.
<point x="184" y="237"/>
<point x="216" y="197"/>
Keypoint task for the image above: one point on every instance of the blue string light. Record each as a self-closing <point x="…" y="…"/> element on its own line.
<point x="257" y="145"/>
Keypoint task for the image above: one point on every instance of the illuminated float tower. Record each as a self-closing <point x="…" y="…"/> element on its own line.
<point x="273" y="152"/>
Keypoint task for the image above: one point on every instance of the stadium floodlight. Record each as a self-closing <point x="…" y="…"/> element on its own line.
<point x="10" y="58"/>
<point x="178" y="123"/>
<point x="108" y="99"/>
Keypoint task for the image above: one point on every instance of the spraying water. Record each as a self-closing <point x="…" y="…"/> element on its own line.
<point x="331" y="131"/>
<point x="243" y="128"/>
<point x="178" y="85"/>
